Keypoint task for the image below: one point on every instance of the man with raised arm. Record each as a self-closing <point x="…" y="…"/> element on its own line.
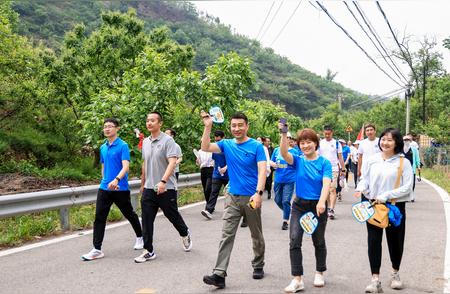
<point x="246" y="162"/>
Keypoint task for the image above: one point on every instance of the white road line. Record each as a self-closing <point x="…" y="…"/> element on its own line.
<point x="82" y="233"/>
<point x="446" y="201"/>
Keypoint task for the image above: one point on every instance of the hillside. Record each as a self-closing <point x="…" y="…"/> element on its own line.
<point x="302" y="92"/>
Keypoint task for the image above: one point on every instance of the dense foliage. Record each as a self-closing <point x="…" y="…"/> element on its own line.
<point x="277" y="79"/>
<point x="55" y="94"/>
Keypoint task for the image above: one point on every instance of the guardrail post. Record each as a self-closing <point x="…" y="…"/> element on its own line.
<point x="64" y="218"/>
<point x="134" y="201"/>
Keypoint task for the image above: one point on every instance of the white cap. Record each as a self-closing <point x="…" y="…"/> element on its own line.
<point x="289" y="135"/>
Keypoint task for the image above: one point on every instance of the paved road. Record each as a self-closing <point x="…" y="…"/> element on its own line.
<point x="57" y="268"/>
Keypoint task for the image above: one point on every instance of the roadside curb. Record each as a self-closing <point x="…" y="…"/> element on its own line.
<point x="83" y="233"/>
<point x="446" y="201"/>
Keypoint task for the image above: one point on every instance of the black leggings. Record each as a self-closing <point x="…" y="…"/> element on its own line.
<point x="395" y="239"/>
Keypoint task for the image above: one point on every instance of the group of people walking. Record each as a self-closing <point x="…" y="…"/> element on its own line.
<point x="307" y="172"/>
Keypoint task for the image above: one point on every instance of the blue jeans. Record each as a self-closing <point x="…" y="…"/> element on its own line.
<point x="283" y="196"/>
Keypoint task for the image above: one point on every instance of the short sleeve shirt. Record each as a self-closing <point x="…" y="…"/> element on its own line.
<point x="368" y="148"/>
<point x="285" y="173"/>
<point x="219" y="162"/>
<point x="111" y="156"/>
<point x="180" y="154"/>
<point x="309" y="176"/>
<point x="242" y="161"/>
<point x="156" y="153"/>
<point x="329" y="150"/>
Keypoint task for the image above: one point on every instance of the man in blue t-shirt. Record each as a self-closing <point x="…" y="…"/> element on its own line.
<point x="246" y="163"/>
<point x="219" y="177"/>
<point x="115" y="160"/>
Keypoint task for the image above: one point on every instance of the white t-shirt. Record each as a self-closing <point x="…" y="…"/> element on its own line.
<point x="328" y="150"/>
<point x="368" y="148"/>
<point x="354" y="154"/>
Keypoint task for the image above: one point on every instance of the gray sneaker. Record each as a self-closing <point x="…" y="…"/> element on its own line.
<point x="396" y="283"/>
<point x="374" y="287"/>
<point x="93" y="254"/>
<point x="207" y="214"/>
<point x="145" y="256"/>
<point x="187" y="242"/>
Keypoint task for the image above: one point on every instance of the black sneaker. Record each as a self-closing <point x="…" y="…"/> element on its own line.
<point x="258" y="273"/>
<point x="269" y="195"/>
<point x="214" y="280"/>
<point x="244" y="224"/>
<point x="285" y="226"/>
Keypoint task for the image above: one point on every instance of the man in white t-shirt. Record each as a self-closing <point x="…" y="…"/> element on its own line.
<point x="368" y="146"/>
<point x="331" y="149"/>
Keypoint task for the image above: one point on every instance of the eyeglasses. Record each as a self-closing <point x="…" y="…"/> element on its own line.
<point x="109" y="127"/>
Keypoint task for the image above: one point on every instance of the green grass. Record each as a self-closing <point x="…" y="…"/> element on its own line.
<point x="15" y="231"/>
<point x="437" y="177"/>
<point x="80" y="169"/>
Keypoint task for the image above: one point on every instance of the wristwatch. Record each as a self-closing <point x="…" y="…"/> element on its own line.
<point x="162" y="181"/>
<point x="260" y="192"/>
<point x="118" y="179"/>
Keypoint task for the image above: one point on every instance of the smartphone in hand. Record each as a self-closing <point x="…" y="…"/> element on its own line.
<point x="284" y="129"/>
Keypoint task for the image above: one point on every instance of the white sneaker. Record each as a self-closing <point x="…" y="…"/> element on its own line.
<point x="396" y="283"/>
<point x="93" y="254"/>
<point x="145" y="256"/>
<point x="207" y="214"/>
<point x="295" y="286"/>
<point x="319" y="280"/>
<point x="187" y="242"/>
<point x="374" y="287"/>
<point x="139" y="244"/>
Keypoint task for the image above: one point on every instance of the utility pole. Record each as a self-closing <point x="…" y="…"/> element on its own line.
<point x="339" y="97"/>
<point x="408" y="107"/>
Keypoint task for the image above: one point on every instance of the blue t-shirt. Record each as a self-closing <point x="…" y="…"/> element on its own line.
<point x="345" y="152"/>
<point x="219" y="162"/>
<point x="242" y="161"/>
<point x="285" y="173"/>
<point x="310" y="174"/>
<point x="299" y="151"/>
<point x="111" y="155"/>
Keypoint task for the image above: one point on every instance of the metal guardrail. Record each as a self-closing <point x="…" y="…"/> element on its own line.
<point x="63" y="199"/>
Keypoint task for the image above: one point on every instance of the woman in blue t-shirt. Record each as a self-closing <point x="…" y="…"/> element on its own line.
<point x="313" y="178"/>
<point x="284" y="182"/>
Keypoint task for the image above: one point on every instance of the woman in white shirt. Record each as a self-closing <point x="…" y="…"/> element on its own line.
<point x="378" y="183"/>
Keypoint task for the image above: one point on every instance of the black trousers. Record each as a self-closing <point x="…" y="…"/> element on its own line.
<point x="299" y="208"/>
<point x="104" y="201"/>
<point x="268" y="186"/>
<point x="150" y="203"/>
<point x="347" y="169"/>
<point x="395" y="239"/>
<point x="355" y="172"/>
<point x="206" y="177"/>
<point x="216" y="186"/>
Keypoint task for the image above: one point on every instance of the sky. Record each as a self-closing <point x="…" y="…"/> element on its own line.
<point x="314" y="42"/>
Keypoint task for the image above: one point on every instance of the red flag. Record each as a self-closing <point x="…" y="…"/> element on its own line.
<point x="361" y="134"/>
<point x="141" y="139"/>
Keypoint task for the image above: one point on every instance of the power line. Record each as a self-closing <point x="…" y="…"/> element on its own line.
<point x="396" y="40"/>
<point x="285" y="25"/>
<point x="377" y="37"/>
<point x="267" y="16"/>
<point x="356" y="43"/>
<point x="312" y="4"/>
<point x="271" y="21"/>
<point x="373" y="42"/>
<point x="380" y="97"/>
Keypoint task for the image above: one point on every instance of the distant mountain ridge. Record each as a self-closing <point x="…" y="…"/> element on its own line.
<point x="302" y="92"/>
